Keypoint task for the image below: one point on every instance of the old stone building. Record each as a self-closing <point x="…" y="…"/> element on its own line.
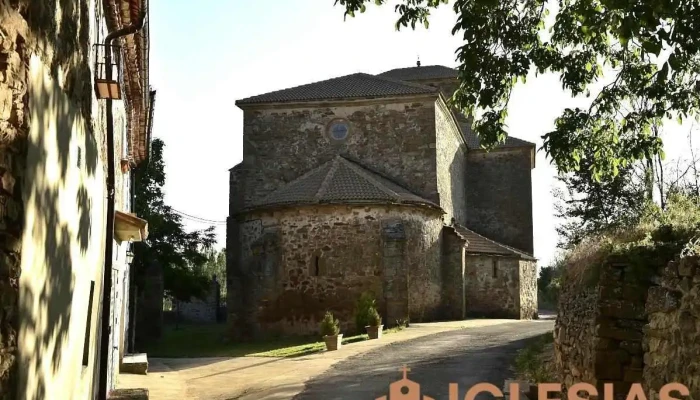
<point x="373" y="183"/>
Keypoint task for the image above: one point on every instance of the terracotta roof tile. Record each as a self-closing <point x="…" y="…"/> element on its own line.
<point x="341" y="181"/>
<point x="478" y="244"/>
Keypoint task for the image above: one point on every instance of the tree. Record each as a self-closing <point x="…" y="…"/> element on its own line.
<point x="215" y="266"/>
<point x="650" y="49"/>
<point x="589" y="207"/>
<point x="180" y="253"/>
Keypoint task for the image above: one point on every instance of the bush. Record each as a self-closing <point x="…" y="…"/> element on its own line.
<point x="374" y="319"/>
<point x="329" y="325"/>
<point x="364" y="305"/>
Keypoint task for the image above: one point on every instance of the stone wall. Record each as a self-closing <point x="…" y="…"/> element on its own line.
<point x="451" y="165"/>
<point x="528" y="289"/>
<point x="453" y="274"/>
<point x="672" y="337"/>
<point x="499" y="196"/>
<point x="296" y="264"/>
<point x="492" y="286"/>
<point x="201" y="310"/>
<point x="14" y="130"/>
<point x="623" y="327"/>
<point x="395" y="138"/>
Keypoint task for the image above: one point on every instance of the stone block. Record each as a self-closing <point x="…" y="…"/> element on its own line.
<point x="134" y="364"/>
<point x="662" y="300"/>
<point x="688" y="266"/>
<point x="612" y="332"/>
<point x="128" y="394"/>
<point x="631" y="347"/>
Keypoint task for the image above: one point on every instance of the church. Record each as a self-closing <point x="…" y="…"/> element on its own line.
<point x="373" y="183"/>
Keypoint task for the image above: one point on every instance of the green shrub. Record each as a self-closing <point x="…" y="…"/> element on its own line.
<point x="364" y="305"/>
<point x="374" y="319"/>
<point x="329" y="325"/>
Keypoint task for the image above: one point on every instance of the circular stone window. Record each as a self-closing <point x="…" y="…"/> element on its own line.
<point x="338" y="130"/>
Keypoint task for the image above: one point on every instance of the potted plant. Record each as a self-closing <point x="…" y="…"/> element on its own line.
<point x="330" y="330"/>
<point x="374" y="329"/>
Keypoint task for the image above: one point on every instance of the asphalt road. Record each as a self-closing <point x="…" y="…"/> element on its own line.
<point x="465" y="357"/>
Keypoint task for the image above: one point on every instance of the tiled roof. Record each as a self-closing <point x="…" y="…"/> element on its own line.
<point x="358" y="85"/>
<point x="417" y="73"/>
<point x="341" y="181"/>
<point x="477" y="244"/>
<point x="473" y="142"/>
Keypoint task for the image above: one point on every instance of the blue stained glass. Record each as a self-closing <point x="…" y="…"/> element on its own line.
<point x="339" y="131"/>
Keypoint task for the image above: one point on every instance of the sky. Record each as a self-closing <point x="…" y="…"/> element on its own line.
<point x="205" y="55"/>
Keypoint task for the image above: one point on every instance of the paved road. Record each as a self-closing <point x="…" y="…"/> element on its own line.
<point x="466" y="357"/>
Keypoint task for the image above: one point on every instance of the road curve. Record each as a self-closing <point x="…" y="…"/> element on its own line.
<point x="465" y="356"/>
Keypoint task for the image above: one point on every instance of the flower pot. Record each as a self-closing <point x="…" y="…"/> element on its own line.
<point x="333" y="342"/>
<point x="374" y="332"/>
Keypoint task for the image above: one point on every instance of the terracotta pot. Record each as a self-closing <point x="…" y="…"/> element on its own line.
<point x="374" y="332"/>
<point x="333" y="342"/>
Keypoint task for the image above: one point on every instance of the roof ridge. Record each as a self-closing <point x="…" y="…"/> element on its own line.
<point x="297" y="179"/>
<point x="511" y="249"/>
<point x="329" y="175"/>
<point x="405" y="83"/>
<point x="358" y="170"/>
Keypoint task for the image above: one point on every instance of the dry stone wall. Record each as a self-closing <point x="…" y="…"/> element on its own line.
<point x="528" y="289"/>
<point x="623" y="327"/>
<point x="672" y="337"/>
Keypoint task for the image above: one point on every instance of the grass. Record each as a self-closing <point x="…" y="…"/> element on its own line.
<point x="189" y="341"/>
<point x="535" y="363"/>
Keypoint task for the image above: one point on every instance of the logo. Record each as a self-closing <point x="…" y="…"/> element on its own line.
<point x="404" y="389"/>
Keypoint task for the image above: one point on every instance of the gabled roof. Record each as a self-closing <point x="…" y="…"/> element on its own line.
<point x="418" y="73"/>
<point x="477" y="244"/>
<point x="358" y="85"/>
<point x="341" y="181"/>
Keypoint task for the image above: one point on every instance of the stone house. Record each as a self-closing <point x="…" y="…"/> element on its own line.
<point x="66" y="198"/>
<point x="374" y="183"/>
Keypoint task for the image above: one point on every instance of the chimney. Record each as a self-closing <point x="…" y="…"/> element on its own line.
<point x="418" y="63"/>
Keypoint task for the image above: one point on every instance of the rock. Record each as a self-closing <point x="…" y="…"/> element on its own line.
<point x="128" y="394"/>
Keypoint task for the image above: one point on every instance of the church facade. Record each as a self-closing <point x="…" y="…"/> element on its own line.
<point x="372" y="183"/>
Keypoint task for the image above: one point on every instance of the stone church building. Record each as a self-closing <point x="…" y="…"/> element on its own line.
<point x="372" y="183"/>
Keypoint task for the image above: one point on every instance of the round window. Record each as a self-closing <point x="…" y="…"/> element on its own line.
<point x="339" y="130"/>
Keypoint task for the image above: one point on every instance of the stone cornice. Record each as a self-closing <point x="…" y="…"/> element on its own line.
<point x="341" y="102"/>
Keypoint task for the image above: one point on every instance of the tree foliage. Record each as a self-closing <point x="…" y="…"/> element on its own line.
<point x="650" y="49"/>
<point x="178" y="252"/>
<point x="587" y="206"/>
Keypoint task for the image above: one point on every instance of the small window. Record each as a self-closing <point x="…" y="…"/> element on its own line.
<point x="494" y="266"/>
<point x="338" y="130"/>
<point x="316" y="266"/>
<point x="88" y="324"/>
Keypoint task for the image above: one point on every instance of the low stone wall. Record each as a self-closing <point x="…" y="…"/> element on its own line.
<point x="672" y="337"/>
<point x="201" y="310"/>
<point x="623" y="327"/>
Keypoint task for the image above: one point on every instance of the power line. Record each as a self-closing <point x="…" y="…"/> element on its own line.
<point x="197" y="219"/>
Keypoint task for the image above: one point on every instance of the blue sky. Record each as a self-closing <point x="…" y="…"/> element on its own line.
<point x="207" y="54"/>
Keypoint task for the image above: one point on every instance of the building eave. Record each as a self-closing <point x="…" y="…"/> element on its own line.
<point x="135" y="76"/>
<point x="333" y="101"/>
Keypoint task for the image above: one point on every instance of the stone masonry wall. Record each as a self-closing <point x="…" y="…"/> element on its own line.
<point x="453" y="270"/>
<point x="295" y="264"/>
<point x="492" y="287"/>
<point x="14" y="122"/>
<point x="396" y="139"/>
<point x="499" y="196"/>
<point x="672" y="337"/>
<point x="528" y="289"/>
<point x="201" y="310"/>
<point x="451" y="165"/>
<point x="600" y="328"/>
